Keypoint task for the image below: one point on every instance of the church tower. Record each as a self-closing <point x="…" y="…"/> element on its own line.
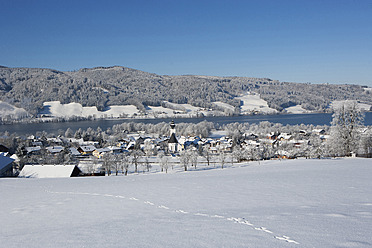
<point x="172" y="142"/>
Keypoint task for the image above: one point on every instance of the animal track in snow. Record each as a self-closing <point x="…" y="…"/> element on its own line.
<point x="286" y="238"/>
<point x="181" y="211"/>
<point x="199" y="214"/>
<point x="216" y="216"/>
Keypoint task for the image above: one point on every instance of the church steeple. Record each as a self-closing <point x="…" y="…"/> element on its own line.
<point x="172" y="142"/>
<point x="172" y="128"/>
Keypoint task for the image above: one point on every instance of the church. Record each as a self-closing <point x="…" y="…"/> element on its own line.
<point x="173" y="142"/>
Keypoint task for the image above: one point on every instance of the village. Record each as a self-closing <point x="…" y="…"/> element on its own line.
<point x="141" y="152"/>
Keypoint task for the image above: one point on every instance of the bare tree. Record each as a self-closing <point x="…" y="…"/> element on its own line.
<point x="146" y="164"/>
<point x="206" y="154"/>
<point x="124" y="162"/>
<point x="107" y="163"/>
<point x="136" y="155"/>
<point x="116" y="163"/>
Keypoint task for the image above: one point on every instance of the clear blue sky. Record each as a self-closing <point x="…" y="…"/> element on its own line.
<point x="294" y="41"/>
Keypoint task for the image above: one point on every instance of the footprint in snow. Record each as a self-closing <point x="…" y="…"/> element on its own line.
<point x="199" y="214"/>
<point x="181" y="211"/>
<point x="217" y="216"/>
<point x="286" y="238"/>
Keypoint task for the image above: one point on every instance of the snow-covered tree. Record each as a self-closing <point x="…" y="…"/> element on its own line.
<point x="136" y="155"/>
<point x="185" y="159"/>
<point x="222" y="158"/>
<point x="346" y="122"/>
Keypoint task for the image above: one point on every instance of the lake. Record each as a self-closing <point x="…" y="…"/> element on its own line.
<point x="291" y="119"/>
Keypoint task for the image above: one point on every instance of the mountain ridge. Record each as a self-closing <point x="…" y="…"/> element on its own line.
<point x="118" y="85"/>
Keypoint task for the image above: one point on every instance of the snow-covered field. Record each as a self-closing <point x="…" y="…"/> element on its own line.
<point x="296" y="110"/>
<point x="292" y="203"/>
<point x="55" y="108"/>
<point x="8" y="109"/>
<point x="253" y="103"/>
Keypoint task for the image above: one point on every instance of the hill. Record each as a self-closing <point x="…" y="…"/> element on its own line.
<point x="30" y="88"/>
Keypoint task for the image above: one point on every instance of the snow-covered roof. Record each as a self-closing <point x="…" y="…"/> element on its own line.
<point x="173" y="139"/>
<point x="105" y="149"/>
<point x="55" y="140"/>
<point x="32" y="148"/>
<point x="87" y="148"/>
<point x="49" y="171"/>
<point x="74" y="151"/>
<point x="55" y="149"/>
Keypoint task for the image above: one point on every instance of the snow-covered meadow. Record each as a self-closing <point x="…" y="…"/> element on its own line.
<point x="287" y="203"/>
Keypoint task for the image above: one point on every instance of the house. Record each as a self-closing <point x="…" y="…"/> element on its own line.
<point x="55" y="149"/>
<point x="49" y="171"/>
<point x="284" y="136"/>
<point x="319" y="131"/>
<point x="74" y="151"/>
<point x="86" y="150"/>
<point x="6" y="168"/>
<point x="99" y="153"/>
<point x="33" y="149"/>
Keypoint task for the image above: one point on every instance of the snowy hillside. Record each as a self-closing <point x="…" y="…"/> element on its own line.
<point x="252" y="103"/>
<point x="293" y="203"/>
<point x="56" y="109"/>
<point x="296" y="110"/>
<point x="9" y="110"/>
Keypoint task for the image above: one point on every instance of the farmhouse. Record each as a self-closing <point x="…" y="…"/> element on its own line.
<point x="49" y="171"/>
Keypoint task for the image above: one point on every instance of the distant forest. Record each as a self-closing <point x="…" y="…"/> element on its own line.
<point x="28" y="88"/>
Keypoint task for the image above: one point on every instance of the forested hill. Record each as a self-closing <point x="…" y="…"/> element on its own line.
<point x="28" y="88"/>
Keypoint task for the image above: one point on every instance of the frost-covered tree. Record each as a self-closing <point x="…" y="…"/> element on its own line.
<point x="163" y="161"/>
<point x="346" y="123"/>
<point x="193" y="158"/>
<point x="185" y="159"/>
<point x="222" y="158"/>
<point x="136" y="155"/>
<point x="124" y="161"/>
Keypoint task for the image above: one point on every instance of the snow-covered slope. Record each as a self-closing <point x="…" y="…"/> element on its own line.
<point x="56" y="109"/>
<point x="296" y="110"/>
<point x="252" y="103"/>
<point x="297" y="203"/>
<point x="9" y="110"/>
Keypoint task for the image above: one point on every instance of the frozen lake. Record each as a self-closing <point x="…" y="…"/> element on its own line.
<point x="288" y="203"/>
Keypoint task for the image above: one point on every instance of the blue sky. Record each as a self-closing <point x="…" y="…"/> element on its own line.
<point x="294" y="41"/>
